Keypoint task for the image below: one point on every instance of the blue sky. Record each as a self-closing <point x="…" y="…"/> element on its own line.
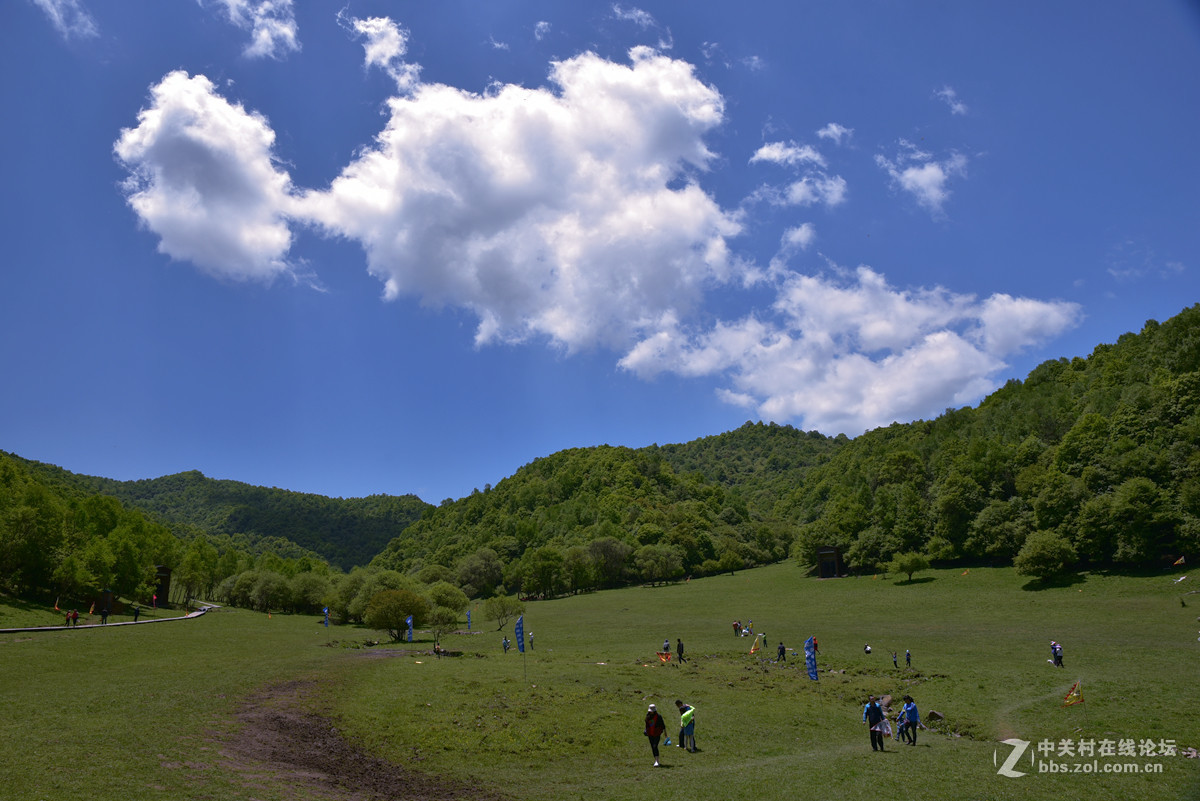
<point x="409" y="247"/>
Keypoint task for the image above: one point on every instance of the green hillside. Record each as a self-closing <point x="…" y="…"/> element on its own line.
<point x="344" y="532"/>
<point x="1102" y="453"/>
<point x="700" y="508"/>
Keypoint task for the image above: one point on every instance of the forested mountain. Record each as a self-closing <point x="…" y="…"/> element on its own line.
<point x="344" y="532"/>
<point x="1100" y="456"/>
<point x="715" y="516"/>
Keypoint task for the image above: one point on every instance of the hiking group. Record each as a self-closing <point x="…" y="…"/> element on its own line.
<point x="908" y="720"/>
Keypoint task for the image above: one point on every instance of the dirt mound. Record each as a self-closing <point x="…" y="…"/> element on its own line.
<point x="277" y="743"/>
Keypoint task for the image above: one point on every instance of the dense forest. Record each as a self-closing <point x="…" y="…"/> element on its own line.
<point x="602" y="516"/>
<point x="343" y="532"/>
<point x="1099" y="455"/>
<point x="1094" y="461"/>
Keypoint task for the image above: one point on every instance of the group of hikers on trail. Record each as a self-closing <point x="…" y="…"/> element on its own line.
<point x="656" y="727"/>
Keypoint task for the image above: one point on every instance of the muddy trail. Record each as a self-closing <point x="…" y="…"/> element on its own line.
<point x="278" y="744"/>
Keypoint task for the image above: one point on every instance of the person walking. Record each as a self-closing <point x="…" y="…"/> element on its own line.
<point x="137" y="610"/>
<point x="655" y="727"/>
<point x="687" y="726"/>
<point x="1058" y="654"/>
<point x="679" y="649"/>
<point x="912" y="719"/>
<point x="894" y="660"/>
<point x="873" y="717"/>
<point x="907" y="658"/>
<point x="505" y="643"/>
<point x="782" y="653"/>
<point x="74" y="617"/>
<point x="667" y="646"/>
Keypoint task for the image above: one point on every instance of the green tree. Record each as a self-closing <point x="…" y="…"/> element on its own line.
<point x="610" y="556"/>
<point x="1044" y="555"/>
<point x="388" y="610"/>
<point x="578" y="568"/>
<point x="445" y="595"/>
<point x="442" y="621"/>
<point x="908" y="563"/>
<point x="308" y="592"/>
<point x="502" y="608"/>
<point x="480" y="573"/>
<point x="657" y="563"/>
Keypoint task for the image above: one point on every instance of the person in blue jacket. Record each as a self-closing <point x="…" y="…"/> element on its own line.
<point x="912" y="719"/>
<point x="873" y="717"/>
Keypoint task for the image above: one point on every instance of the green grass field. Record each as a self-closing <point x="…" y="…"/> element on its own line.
<point x="130" y="713"/>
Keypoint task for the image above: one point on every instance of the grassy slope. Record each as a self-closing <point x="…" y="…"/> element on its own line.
<point x="143" y="697"/>
<point x="979" y="643"/>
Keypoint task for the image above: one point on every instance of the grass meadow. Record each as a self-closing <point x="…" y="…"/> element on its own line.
<point x="129" y="712"/>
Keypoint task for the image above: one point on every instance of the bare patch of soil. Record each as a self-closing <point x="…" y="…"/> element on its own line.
<point x="279" y="744"/>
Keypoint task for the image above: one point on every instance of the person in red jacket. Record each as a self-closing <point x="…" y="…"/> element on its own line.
<point x="655" y="726"/>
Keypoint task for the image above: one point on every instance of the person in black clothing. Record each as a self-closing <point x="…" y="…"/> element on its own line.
<point x="679" y="649"/>
<point x="873" y="717"/>
<point x="655" y="727"/>
<point x="782" y="653"/>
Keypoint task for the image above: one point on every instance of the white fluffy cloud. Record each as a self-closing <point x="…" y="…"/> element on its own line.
<point x="816" y="186"/>
<point x="272" y="25"/>
<point x="202" y="178"/>
<point x="851" y="355"/>
<point x="385" y="47"/>
<point x="835" y="132"/>
<point x="788" y="153"/>
<point x="572" y="214"/>
<point x="548" y="213"/>
<point x="799" y="237"/>
<point x="925" y="178"/>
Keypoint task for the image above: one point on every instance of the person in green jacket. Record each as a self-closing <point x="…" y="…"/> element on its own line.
<point x="687" y="726"/>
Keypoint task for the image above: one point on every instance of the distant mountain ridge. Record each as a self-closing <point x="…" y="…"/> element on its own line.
<point x="344" y="532"/>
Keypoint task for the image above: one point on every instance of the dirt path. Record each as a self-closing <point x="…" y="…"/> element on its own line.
<point x="279" y="744"/>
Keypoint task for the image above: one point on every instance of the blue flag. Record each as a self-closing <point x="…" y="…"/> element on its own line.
<point x="327" y="617"/>
<point x="468" y="620"/>
<point x="408" y="620"/>
<point x="810" y="658"/>
<point x="519" y="633"/>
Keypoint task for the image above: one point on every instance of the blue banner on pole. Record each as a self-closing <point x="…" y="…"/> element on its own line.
<point x="408" y="620"/>
<point x="810" y="658"/>
<point x="327" y="617"/>
<point x="519" y="633"/>
<point x="468" y="620"/>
